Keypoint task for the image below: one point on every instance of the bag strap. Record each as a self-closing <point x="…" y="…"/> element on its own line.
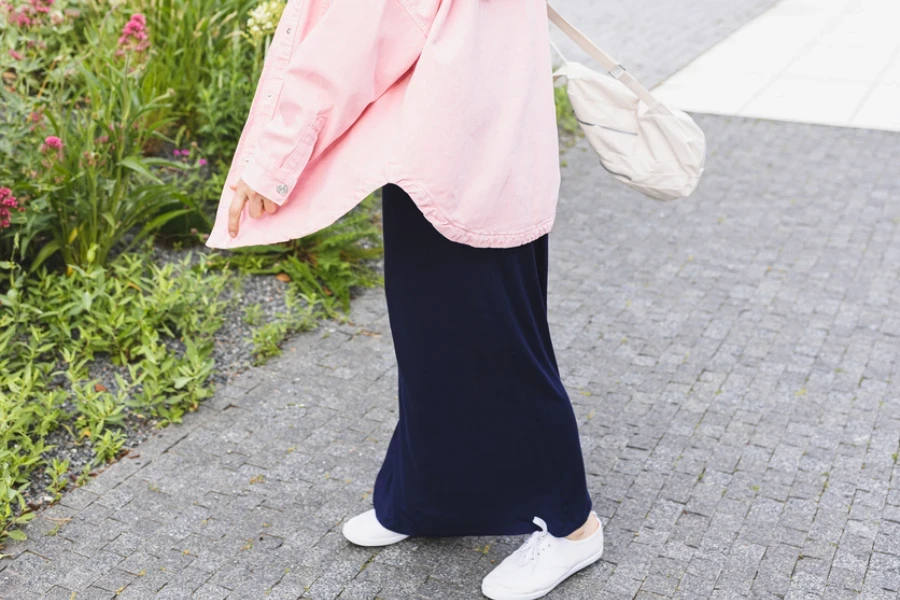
<point x="606" y="61"/>
<point x="559" y="52"/>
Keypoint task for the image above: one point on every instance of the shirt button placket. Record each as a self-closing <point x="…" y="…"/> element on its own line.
<point x="287" y="42"/>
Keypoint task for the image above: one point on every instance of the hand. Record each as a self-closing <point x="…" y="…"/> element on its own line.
<point x="243" y="194"/>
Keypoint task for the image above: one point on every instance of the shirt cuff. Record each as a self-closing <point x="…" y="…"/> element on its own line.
<point x="275" y="183"/>
<point x="266" y="181"/>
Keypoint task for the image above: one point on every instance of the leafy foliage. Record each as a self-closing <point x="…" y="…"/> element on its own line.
<point x="53" y="326"/>
<point x="325" y="266"/>
<point x="123" y="84"/>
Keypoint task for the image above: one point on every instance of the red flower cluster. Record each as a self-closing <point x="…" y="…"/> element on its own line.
<point x="134" y="35"/>
<point x="28" y="14"/>
<point x="51" y="142"/>
<point x="7" y="203"/>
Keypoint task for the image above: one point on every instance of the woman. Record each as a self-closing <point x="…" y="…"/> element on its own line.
<point x="447" y="105"/>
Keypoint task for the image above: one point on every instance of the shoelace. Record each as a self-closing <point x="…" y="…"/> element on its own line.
<point x="532" y="546"/>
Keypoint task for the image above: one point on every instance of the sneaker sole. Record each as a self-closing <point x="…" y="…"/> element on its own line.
<point x="376" y="543"/>
<point x="540" y="594"/>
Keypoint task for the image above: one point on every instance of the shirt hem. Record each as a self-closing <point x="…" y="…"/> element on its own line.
<point x="220" y="239"/>
<point x="457" y="233"/>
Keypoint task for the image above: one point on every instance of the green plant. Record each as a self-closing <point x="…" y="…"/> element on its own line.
<point x="566" y="120"/>
<point x="16" y="132"/>
<point x="36" y="53"/>
<point x="217" y="113"/>
<point x="108" y="446"/>
<point x="96" y="186"/>
<point x="301" y="315"/>
<point x="54" y="325"/>
<point x="326" y="265"/>
<point x="253" y="314"/>
<point x="85" y="474"/>
<point x="194" y="42"/>
<point x="9" y="527"/>
<point x="96" y="408"/>
<point x="57" y="471"/>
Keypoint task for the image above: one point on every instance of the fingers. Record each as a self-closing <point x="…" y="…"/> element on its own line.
<point x="234" y="212"/>
<point x="258" y="205"/>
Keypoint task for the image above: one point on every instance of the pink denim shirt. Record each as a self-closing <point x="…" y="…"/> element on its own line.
<point x="452" y="100"/>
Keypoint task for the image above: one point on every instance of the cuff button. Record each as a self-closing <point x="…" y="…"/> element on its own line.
<point x="281" y="189"/>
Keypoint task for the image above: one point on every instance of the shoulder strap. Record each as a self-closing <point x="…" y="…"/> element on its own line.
<point x="605" y="60"/>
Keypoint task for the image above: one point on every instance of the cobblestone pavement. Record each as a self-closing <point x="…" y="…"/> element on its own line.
<point x="730" y="358"/>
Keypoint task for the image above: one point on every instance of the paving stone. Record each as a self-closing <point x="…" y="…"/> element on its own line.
<point x="210" y="592"/>
<point x="114" y="581"/>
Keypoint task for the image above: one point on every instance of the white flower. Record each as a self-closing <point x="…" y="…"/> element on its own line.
<point x="264" y="18"/>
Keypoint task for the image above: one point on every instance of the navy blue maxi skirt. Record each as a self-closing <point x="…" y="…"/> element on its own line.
<point x="486" y="438"/>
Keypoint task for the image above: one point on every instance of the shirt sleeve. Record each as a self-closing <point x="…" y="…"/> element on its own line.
<point x="356" y="51"/>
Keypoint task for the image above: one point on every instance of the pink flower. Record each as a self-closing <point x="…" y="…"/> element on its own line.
<point x="27" y="15"/>
<point x="19" y="18"/>
<point x="52" y="142"/>
<point x="134" y="35"/>
<point x="7" y="202"/>
<point x="202" y="162"/>
<point x="15" y="54"/>
<point x="41" y="6"/>
<point x="35" y="118"/>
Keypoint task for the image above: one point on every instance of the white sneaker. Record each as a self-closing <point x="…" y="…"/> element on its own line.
<point x="541" y="564"/>
<point x="365" y="530"/>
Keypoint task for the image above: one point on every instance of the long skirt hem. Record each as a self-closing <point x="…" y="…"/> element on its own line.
<point x="498" y="526"/>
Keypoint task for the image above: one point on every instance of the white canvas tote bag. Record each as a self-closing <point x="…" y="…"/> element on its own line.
<point x="656" y="149"/>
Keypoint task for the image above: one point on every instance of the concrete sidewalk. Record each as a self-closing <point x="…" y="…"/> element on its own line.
<point x="831" y="62"/>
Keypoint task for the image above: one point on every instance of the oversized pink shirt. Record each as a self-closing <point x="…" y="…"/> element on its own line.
<point x="452" y="100"/>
